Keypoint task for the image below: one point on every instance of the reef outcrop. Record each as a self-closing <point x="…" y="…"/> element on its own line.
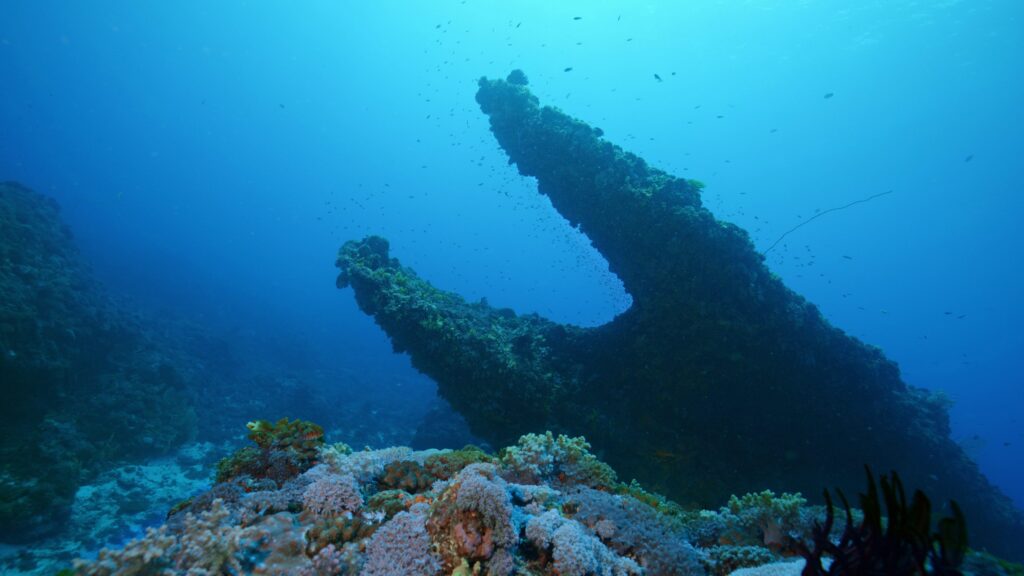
<point x="718" y="379"/>
<point x="83" y="385"/>
<point x="544" y="506"/>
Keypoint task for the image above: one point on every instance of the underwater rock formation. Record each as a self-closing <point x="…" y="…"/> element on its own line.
<point x="83" y="386"/>
<point x="717" y="380"/>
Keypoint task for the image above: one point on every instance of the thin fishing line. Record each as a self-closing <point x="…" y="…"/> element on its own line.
<point x="819" y="214"/>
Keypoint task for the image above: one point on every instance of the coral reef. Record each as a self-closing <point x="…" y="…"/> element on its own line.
<point x="478" y="519"/>
<point x="85" y="386"/>
<point x="717" y="380"/>
<point x="485" y="518"/>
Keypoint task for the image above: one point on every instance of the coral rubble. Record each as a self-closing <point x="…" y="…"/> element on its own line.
<point x="717" y="380"/>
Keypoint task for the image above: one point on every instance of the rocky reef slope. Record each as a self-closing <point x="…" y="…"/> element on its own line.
<point x="83" y="385"/>
<point x="717" y="380"/>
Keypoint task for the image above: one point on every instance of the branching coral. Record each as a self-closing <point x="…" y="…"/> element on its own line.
<point x="332" y="495"/>
<point x="559" y="460"/>
<point x="762" y="518"/>
<point x="574" y="551"/>
<point x="629" y="526"/>
<point x="402" y="548"/>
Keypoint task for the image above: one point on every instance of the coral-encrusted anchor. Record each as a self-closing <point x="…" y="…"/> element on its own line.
<point x="716" y="360"/>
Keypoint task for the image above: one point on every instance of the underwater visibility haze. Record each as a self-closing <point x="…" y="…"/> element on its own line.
<point x="525" y="287"/>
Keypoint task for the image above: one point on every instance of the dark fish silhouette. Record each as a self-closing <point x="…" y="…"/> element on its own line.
<point x="969" y="158"/>
<point x="829" y="95"/>
<point x="658" y="78"/>
<point x="569" y="69"/>
<point x="577" y="17"/>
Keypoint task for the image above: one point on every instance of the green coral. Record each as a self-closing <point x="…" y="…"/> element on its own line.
<point x="181" y="506"/>
<point x="766" y="502"/>
<point x="764" y="519"/>
<point x="284" y="449"/>
<point x="338" y="531"/>
<point x="407" y="476"/>
<point x="299" y="435"/>
<point x="446" y="464"/>
<point x="245" y="461"/>
<point x="562" y="459"/>
<point x="725" y="560"/>
<point x="390" y="502"/>
<point x="660" y="504"/>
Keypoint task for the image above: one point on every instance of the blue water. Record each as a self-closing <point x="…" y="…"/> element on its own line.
<point x="211" y="158"/>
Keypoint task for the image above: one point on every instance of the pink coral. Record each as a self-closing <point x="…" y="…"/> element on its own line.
<point x="331" y="495"/>
<point x="402" y="547"/>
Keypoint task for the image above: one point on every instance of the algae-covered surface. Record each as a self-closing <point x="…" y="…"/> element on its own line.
<point x="717" y="380"/>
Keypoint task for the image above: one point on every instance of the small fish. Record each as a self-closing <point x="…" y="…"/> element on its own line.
<point x="969" y="158"/>
<point x="569" y="69"/>
<point x="847" y="257"/>
<point x="773" y="130"/>
<point x="658" y="78"/>
<point x="577" y="17"/>
<point x="518" y="25"/>
<point x="829" y="95"/>
<point x="666" y="456"/>
<point x="281" y="105"/>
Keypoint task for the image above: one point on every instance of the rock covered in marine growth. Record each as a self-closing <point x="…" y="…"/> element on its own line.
<point x="545" y="506"/>
<point x="83" y="386"/>
<point x="717" y="380"/>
